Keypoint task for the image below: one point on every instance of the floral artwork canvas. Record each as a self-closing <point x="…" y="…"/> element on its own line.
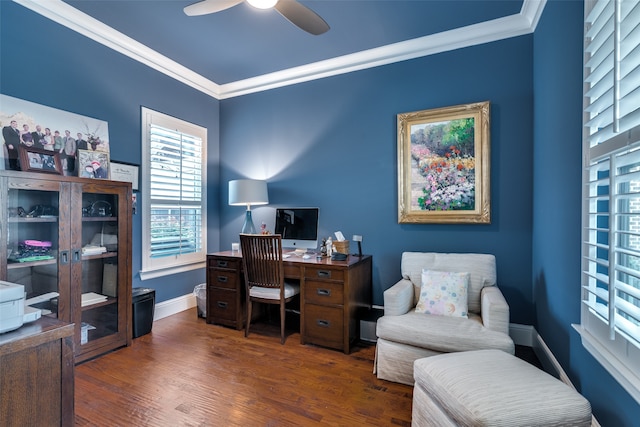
<point x="443" y="165"/>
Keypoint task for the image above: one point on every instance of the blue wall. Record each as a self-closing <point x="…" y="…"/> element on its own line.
<point x="55" y="66"/>
<point x="331" y="143"/>
<point x="557" y="209"/>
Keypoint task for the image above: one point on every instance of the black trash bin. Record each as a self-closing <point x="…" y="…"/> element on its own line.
<point x="144" y="302"/>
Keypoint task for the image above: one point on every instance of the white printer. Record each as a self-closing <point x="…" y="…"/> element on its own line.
<point x="12" y="307"/>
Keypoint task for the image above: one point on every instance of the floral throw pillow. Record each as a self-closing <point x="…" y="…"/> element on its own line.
<point x="443" y="293"/>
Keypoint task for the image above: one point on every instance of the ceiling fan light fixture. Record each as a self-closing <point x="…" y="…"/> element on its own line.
<point x="262" y="4"/>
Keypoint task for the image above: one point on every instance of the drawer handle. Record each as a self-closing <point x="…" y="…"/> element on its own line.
<point x="222" y="279"/>
<point x="222" y="304"/>
<point x="324" y="274"/>
<point x="222" y="263"/>
<point x="323" y="323"/>
<point x="324" y="292"/>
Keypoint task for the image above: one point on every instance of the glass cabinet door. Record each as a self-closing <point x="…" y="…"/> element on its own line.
<point x="35" y="245"/>
<point x="67" y="241"/>
<point x="100" y="264"/>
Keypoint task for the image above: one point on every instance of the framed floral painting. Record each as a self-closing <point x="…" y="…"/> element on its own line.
<point x="443" y="165"/>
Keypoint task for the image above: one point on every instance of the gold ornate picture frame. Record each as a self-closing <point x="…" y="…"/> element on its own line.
<point x="444" y="165"/>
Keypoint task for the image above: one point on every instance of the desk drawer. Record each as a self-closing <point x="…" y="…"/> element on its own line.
<point x="222" y="304"/>
<point x="224" y="278"/>
<point x="320" y="273"/>
<point x="323" y="292"/>
<point x="291" y="271"/>
<point x="323" y="326"/>
<point x="231" y="264"/>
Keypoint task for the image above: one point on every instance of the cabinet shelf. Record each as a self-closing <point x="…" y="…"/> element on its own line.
<point x="14" y="264"/>
<point x="99" y="219"/>
<point x="109" y="301"/>
<point x="33" y="219"/>
<point x="98" y="256"/>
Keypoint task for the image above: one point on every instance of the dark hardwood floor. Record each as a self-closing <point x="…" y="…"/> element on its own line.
<point x="188" y="373"/>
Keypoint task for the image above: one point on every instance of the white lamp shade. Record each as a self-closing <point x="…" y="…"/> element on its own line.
<point x="248" y="192"/>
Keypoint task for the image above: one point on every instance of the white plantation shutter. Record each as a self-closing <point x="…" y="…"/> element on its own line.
<point x="176" y="208"/>
<point x="610" y="317"/>
<point x="612" y="72"/>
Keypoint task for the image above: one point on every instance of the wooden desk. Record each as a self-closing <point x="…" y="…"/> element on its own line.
<point x="36" y="374"/>
<point x="333" y="295"/>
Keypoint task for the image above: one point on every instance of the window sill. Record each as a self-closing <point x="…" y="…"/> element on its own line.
<point x="152" y="274"/>
<point x="628" y="379"/>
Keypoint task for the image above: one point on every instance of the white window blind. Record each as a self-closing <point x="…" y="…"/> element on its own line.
<point x="610" y="317"/>
<point x="175" y="212"/>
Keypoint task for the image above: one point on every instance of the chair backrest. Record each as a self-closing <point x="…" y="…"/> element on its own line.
<point x="481" y="267"/>
<point x="262" y="260"/>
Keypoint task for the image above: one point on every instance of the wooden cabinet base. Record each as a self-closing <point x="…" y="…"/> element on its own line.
<point x="36" y="374"/>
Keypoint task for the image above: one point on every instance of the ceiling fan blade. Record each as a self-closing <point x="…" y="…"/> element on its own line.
<point x="302" y="16"/>
<point x="205" y="7"/>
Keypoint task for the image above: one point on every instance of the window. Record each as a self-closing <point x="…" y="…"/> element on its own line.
<point x="174" y="206"/>
<point x="610" y="315"/>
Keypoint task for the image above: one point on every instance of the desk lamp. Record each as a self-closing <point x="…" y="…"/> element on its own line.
<point x="357" y="238"/>
<point x="248" y="192"/>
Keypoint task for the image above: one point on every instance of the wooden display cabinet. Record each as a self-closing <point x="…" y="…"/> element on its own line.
<point x="47" y="225"/>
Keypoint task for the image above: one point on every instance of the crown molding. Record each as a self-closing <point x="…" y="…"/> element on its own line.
<point x="484" y="32"/>
<point x="64" y="14"/>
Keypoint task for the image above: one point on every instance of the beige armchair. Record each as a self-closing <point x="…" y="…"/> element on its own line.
<point x="405" y="336"/>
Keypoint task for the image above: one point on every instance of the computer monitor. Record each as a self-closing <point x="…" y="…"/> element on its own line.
<point x="298" y="227"/>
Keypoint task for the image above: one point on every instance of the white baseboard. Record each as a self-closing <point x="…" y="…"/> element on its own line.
<point x="528" y="336"/>
<point x="522" y="334"/>
<point x="173" y="306"/>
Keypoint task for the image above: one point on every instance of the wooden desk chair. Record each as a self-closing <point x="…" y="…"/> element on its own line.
<point x="264" y="275"/>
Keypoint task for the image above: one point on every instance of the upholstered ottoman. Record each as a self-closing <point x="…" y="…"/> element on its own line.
<point x="492" y="388"/>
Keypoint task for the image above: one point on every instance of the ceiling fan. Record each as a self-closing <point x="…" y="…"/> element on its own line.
<point x="299" y="15"/>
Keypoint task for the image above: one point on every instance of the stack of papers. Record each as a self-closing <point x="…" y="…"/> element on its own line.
<point x="92" y="298"/>
<point x="93" y="250"/>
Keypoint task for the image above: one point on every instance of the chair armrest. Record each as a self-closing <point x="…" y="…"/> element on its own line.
<point x="494" y="310"/>
<point x="398" y="299"/>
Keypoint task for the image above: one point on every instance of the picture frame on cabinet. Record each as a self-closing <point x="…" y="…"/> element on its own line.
<point x="127" y="172"/>
<point x="444" y="165"/>
<point x="93" y="164"/>
<point x="34" y="159"/>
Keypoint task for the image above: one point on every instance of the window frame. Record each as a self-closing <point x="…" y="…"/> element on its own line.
<point x="604" y="256"/>
<point x="153" y="268"/>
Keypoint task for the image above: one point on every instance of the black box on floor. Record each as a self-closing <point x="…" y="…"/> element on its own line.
<point x="368" y="324"/>
<point x="144" y="302"/>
